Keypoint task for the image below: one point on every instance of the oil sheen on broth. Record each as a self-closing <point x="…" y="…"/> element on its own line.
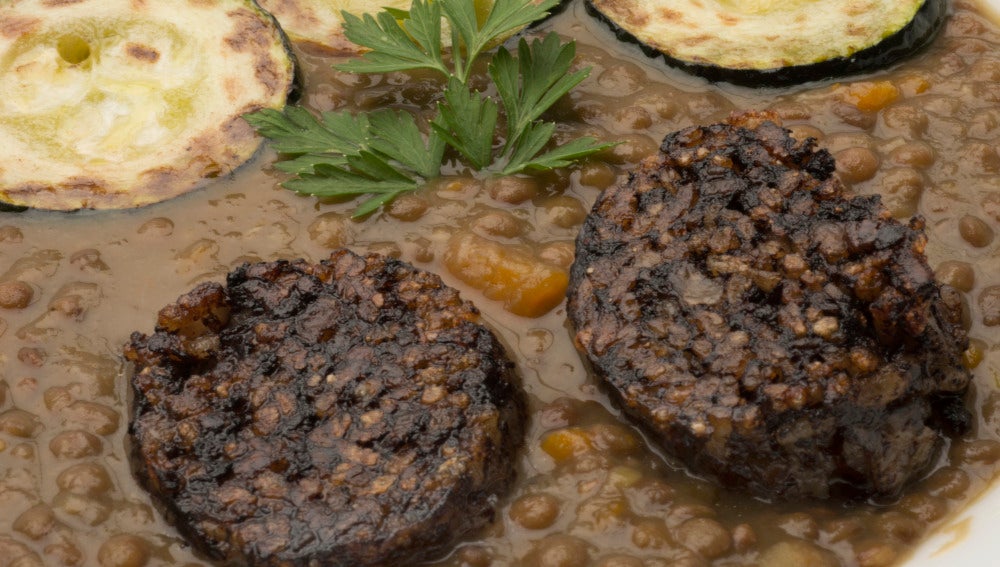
<point x="590" y="490"/>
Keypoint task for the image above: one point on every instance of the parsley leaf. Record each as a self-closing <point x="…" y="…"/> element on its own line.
<point x="306" y="163"/>
<point x="467" y="121"/>
<point x="505" y="16"/>
<point x="385" y="153"/>
<point x="561" y="156"/>
<point x="297" y="131"/>
<point x="528" y="87"/>
<point x="382" y="153"/>
<point x="330" y="181"/>
<point x="396" y="134"/>
<point x="393" y="47"/>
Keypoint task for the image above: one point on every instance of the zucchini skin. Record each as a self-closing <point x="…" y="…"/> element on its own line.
<point x="297" y="86"/>
<point x="916" y="35"/>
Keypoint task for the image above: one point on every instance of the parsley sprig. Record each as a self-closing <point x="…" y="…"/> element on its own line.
<point x="385" y="153"/>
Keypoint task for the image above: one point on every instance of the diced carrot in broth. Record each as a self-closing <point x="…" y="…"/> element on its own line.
<point x="872" y="96"/>
<point x="566" y="444"/>
<point x="525" y="285"/>
<point x="911" y="85"/>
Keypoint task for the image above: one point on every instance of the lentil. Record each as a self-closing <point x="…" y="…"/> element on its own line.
<point x="329" y="230"/>
<point x="918" y="155"/>
<point x="901" y="189"/>
<point x="797" y="553"/>
<point x="597" y="175"/>
<point x="856" y="164"/>
<point x="124" y="550"/>
<point x="15" y="295"/>
<point x="975" y="231"/>
<point x="989" y="305"/>
<point x="957" y="274"/>
<point x="35" y="522"/>
<point x="512" y="190"/>
<point x="535" y="511"/>
<point x="705" y="536"/>
<point x="558" y="551"/>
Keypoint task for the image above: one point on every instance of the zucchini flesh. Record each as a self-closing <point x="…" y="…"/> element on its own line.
<point x="773" y="43"/>
<point x="320" y="23"/>
<point x="119" y="104"/>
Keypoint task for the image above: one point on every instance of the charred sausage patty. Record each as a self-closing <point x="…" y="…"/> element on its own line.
<point x="346" y="413"/>
<point x="770" y="331"/>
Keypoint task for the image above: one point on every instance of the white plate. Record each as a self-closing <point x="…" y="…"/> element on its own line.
<point x="969" y="538"/>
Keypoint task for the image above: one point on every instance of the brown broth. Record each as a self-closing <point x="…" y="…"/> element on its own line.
<point x="591" y="490"/>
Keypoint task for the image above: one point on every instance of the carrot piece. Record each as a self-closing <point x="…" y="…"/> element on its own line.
<point x="525" y="285"/>
<point x="566" y="444"/>
<point x="872" y="96"/>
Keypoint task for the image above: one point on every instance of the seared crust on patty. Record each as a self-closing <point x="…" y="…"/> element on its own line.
<point x="771" y="332"/>
<point x="351" y="412"/>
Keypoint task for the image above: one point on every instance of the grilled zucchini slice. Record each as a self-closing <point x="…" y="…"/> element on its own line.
<point x="320" y="23"/>
<point x="775" y="42"/>
<point x="110" y="104"/>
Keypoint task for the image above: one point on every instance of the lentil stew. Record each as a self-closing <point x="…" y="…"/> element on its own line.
<point x="590" y="489"/>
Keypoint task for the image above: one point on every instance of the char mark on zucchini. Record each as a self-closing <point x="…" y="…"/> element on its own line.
<point x="760" y="43"/>
<point x="771" y="332"/>
<point x="347" y="413"/>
